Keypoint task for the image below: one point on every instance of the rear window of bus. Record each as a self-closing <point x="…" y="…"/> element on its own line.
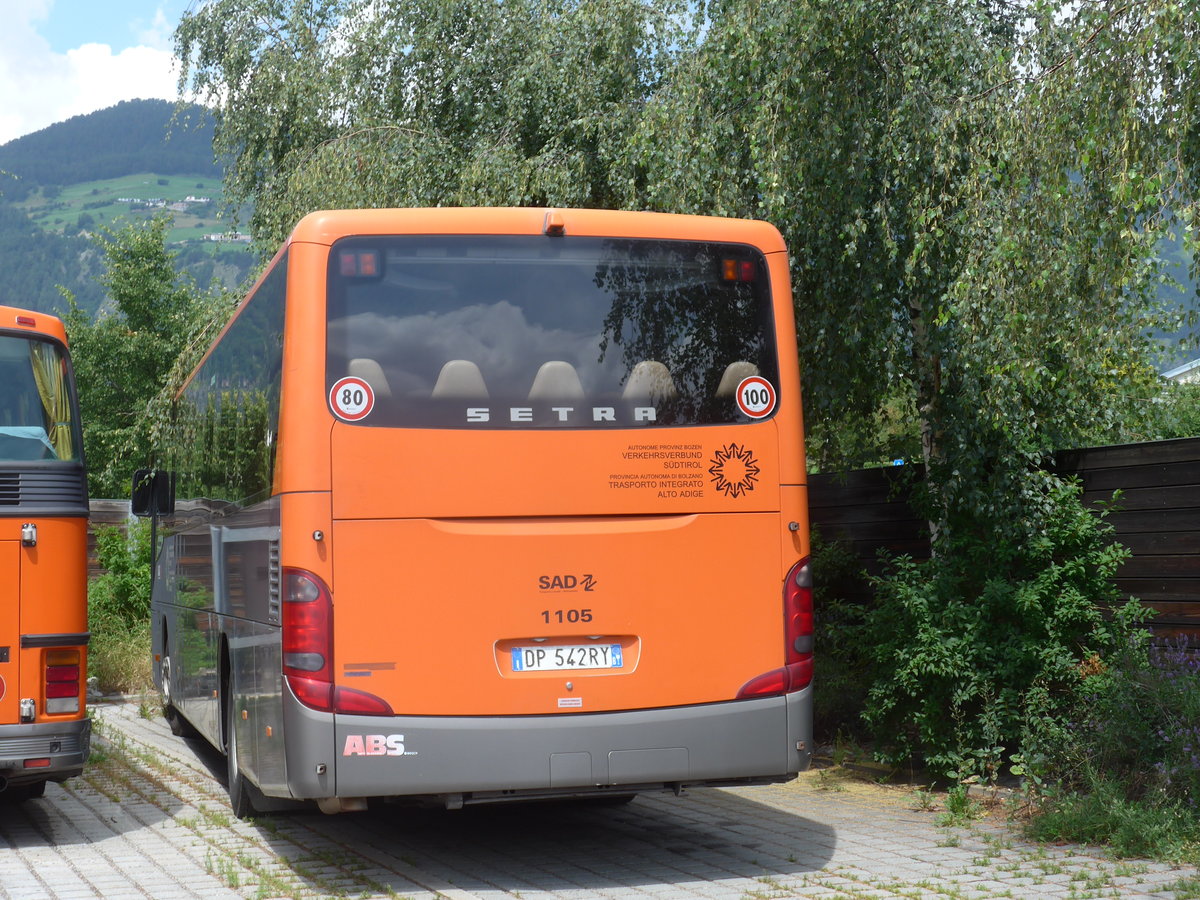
<point x="501" y="331"/>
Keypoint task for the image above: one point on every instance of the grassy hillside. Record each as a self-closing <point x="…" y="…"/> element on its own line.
<point x="134" y="160"/>
<point x="193" y="201"/>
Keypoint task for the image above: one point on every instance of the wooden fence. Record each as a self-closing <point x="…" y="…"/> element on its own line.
<point x="1157" y="519"/>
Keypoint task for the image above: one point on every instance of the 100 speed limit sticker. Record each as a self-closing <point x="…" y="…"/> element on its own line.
<point x="351" y="399"/>
<point x="756" y="397"/>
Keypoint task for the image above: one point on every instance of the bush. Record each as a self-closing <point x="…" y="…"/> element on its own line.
<point x="980" y="652"/>
<point x="841" y="678"/>
<point x="120" y="660"/>
<point x="119" y="610"/>
<point x="120" y="597"/>
<point x="1126" y="769"/>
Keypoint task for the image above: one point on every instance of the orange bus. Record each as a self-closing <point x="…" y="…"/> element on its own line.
<point x="472" y="505"/>
<point x="44" y="730"/>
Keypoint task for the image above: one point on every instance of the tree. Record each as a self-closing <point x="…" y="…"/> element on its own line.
<point x="425" y="102"/>
<point x="123" y="356"/>
<point x="951" y="244"/>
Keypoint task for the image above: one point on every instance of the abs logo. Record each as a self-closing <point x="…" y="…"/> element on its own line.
<point x="376" y="745"/>
<point x="555" y="583"/>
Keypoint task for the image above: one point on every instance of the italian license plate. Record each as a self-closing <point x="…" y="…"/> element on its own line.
<point x="563" y="658"/>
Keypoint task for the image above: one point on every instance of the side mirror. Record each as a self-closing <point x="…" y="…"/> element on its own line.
<point x="153" y="493"/>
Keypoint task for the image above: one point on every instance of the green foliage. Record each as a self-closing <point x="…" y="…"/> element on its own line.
<point x="1127" y="764"/>
<point x="124" y="357"/>
<point x="351" y="103"/>
<point x="1100" y="812"/>
<point x="1173" y="412"/>
<point x="979" y="650"/>
<point x="119" y="660"/>
<point x="842" y="657"/>
<point x="975" y="195"/>
<point x="34" y="265"/>
<point x="120" y="597"/>
<point x="960" y="808"/>
<point x="119" y="609"/>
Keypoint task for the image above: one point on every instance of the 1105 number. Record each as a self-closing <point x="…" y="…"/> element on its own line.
<point x="566" y="615"/>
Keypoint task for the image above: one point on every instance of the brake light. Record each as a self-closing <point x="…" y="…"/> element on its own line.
<point x="308" y="649"/>
<point x="61" y="681"/>
<point x="797" y="671"/>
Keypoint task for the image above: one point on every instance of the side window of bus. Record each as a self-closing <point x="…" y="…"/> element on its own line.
<point x="229" y="412"/>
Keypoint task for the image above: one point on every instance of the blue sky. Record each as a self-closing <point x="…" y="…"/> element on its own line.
<point x="63" y="58"/>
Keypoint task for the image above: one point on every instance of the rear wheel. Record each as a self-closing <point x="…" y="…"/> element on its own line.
<point x="177" y="723"/>
<point x="23" y="792"/>
<point x="239" y="788"/>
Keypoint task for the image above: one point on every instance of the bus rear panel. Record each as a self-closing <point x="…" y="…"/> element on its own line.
<point x="530" y="517"/>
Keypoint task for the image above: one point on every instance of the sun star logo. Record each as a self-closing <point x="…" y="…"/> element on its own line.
<point x="734" y="470"/>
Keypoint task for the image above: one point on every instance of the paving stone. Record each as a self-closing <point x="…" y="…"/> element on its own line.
<point x="169" y="836"/>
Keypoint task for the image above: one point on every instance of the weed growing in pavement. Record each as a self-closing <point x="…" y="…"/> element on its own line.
<point x="150" y="706"/>
<point x="826" y="782"/>
<point x="775" y="890"/>
<point x="960" y="808"/>
<point x="119" y="656"/>
<point x="215" y="817"/>
<point x="228" y="871"/>
<point x="1185" y="889"/>
<point x="923" y="800"/>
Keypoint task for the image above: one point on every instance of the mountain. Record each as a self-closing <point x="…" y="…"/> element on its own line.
<point x="133" y="136"/>
<point x="133" y="160"/>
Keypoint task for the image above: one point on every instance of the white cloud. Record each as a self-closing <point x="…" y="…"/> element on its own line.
<point x="41" y="87"/>
<point x="158" y="33"/>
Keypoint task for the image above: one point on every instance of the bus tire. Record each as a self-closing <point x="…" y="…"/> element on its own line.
<point x="239" y="788"/>
<point x="23" y="792"/>
<point x="180" y="727"/>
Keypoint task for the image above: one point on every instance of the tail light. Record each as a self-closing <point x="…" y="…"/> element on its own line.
<point x="797" y="671"/>
<point x="308" y="649"/>
<point x="62" y="682"/>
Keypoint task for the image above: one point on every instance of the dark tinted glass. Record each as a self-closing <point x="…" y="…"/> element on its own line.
<point x="521" y="332"/>
<point x="228" y="416"/>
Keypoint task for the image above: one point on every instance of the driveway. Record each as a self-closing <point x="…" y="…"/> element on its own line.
<point x="150" y="819"/>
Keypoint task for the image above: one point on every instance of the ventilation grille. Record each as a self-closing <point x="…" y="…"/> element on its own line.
<point x="44" y="489"/>
<point x="274" y="580"/>
<point x="10" y="489"/>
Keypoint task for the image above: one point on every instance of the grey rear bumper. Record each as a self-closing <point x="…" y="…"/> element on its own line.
<point x="473" y="759"/>
<point x="66" y="745"/>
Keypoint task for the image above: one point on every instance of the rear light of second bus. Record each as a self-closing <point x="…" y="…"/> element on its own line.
<point x="63" y="685"/>
<point x="797" y="671"/>
<point x="308" y="650"/>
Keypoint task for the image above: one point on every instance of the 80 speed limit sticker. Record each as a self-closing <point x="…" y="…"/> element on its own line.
<point x="351" y="398"/>
<point x="756" y="397"/>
